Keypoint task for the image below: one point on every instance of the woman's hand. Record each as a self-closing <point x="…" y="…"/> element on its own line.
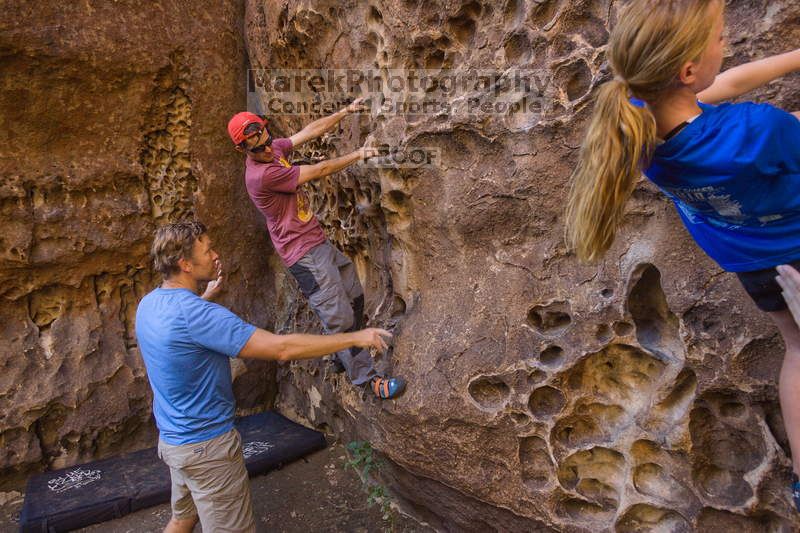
<point x="789" y="280"/>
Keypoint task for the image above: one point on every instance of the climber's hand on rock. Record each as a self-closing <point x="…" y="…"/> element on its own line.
<point x="214" y="287"/>
<point x="357" y="106"/>
<point x="789" y="280"/>
<point x="372" y="338"/>
<point x="365" y="152"/>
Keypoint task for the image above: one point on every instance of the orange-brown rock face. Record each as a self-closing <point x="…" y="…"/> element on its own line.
<point x="636" y="395"/>
<point x="113" y="118"/>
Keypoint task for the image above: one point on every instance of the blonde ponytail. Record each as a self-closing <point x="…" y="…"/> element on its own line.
<point x="647" y="48"/>
<point x="620" y="137"/>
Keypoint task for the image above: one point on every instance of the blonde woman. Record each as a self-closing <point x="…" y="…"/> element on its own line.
<point x="732" y="170"/>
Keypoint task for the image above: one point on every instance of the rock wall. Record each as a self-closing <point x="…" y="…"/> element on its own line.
<point x="637" y="394"/>
<point x="113" y="120"/>
<point x="634" y="395"/>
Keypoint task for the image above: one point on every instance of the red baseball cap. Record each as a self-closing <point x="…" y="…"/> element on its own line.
<point x="239" y="122"/>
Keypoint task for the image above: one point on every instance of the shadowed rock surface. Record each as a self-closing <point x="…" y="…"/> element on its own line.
<point x="114" y="122"/>
<point x="636" y="394"/>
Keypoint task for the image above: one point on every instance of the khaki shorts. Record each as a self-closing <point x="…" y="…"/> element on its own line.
<point x="209" y="480"/>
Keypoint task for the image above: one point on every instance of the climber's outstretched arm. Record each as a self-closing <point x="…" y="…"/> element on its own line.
<point x="326" y="168"/>
<point x="320" y="126"/>
<point x="742" y="79"/>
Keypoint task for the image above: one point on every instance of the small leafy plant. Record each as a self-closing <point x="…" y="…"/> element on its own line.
<point x="362" y="459"/>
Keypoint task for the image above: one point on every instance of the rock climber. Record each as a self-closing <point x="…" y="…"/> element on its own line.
<point x="732" y="170"/>
<point x="326" y="277"/>
<point x="186" y="342"/>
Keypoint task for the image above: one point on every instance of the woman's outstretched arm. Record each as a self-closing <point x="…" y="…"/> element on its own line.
<point x="742" y="79"/>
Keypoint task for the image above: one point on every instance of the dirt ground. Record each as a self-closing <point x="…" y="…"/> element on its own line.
<point x="317" y="493"/>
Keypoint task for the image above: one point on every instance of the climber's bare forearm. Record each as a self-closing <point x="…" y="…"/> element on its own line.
<point x="326" y="168"/>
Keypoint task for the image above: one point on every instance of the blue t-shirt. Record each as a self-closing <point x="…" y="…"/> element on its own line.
<point x="186" y="343"/>
<point x="734" y="176"/>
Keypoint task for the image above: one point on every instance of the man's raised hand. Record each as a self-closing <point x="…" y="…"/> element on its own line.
<point x="214" y="287"/>
<point x="357" y="106"/>
<point x="372" y="338"/>
<point x="366" y="152"/>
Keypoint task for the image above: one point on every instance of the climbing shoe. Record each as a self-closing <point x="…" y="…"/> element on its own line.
<point x="796" y="492"/>
<point x="387" y="388"/>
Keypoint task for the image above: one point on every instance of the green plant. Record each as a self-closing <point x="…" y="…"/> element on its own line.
<point x="362" y="459"/>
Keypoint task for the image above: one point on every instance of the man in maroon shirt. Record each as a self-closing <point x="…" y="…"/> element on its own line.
<point x="325" y="276"/>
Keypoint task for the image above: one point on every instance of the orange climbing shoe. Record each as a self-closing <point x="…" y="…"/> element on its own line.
<point x="387" y="388"/>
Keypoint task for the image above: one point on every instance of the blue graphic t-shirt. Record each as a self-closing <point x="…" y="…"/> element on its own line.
<point x="186" y="343"/>
<point x="734" y="176"/>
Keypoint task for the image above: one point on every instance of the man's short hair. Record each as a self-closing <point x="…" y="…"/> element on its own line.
<point x="173" y="242"/>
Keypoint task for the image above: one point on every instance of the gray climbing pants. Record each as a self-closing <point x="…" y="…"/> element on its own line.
<point x="328" y="279"/>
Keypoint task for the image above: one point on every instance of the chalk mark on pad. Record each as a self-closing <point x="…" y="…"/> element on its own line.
<point x="254" y="448"/>
<point x="73" y="480"/>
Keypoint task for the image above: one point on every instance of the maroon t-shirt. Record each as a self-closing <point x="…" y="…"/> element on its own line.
<point x="273" y="188"/>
